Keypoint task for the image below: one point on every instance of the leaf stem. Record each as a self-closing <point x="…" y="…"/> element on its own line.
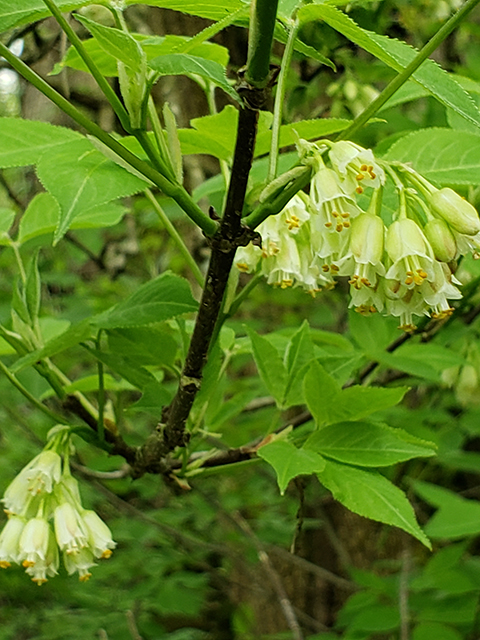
<point x="176" y="237"/>
<point x="18" y="385"/>
<point x="409" y="70"/>
<point x="279" y="101"/>
<point x="108" y="92"/>
<point x="175" y="191"/>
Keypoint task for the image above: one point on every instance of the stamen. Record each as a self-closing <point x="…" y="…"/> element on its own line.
<point x="359" y="189"/>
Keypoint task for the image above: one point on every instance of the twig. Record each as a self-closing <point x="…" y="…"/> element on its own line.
<point x="403" y="594"/>
<point x="132" y="625"/>
<point x="273" y="576"/>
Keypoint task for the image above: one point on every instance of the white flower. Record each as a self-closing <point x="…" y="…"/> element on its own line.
<point x="411" y="255"/>
<point x="33" y="544"/>
<point x="10" y="539"/>
<point x="70" y="531"/>
<point x="81" y="562"/>
<point x="47" y="566"/>
<point x="99" y="535"/>
<point x="35" y="480"/>
<point x="331" y="207"/>
<point x="356" y="167"/>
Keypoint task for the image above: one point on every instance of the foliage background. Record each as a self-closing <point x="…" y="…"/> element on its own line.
<point x="191" y="564"/>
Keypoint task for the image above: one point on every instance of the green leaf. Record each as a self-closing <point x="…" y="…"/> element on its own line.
<point x="33" y="288"/>
<point x="371" y="495"/>
<point x="81" y="178"/>
<point x="290" y="462"/>
<point x="456" y="518"/>
<point x="19" y="304"/>
<point x="162" y="298"/>
<point x="397" y="55"/>
<point x="270" y="366"/>
<point x="24" y="141"/>
<point x="175" y="64"/>
<point x="444" y="156"/>
<point x="307" y="129"/>
<point x="437" y="630"/>
<point x="7" y="217"/>
<point x="146" y="345"/>
<point x="122" y="46"/>
<point x="14" y="12"/>
<point x="214" y="134"/>
<point x="211" y="9"/>
<point x="329" y="403"/>
<point x="69" y="338"/>
<point x="367" y="444"/>
<point x="154" y="398"/>
<point x="127" y="368"/>
<point x="299" y="353"/>
<point x="43" y="212"/>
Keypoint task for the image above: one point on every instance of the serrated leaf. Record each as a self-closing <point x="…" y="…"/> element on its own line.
<point x="24" y="141"/>
<point x="299" y="353"/>
<point x="69" y="338"/>
<point x="367" y="444"/>
<point x="14" y="12"/>
<point x="122" y="46"/>
<point x="19" y="304"/>
<point x="127" y="368"/>
<point x="33" y="288"/>
<point x="162" y="298"/>
<point x="456" y="517"/>
<point x="444" y="156"/>
<point x="397" y="55"/>
<point x="307" y="129"/>
<point x="211" y="9"/>
<point x="175" y="64"/>
<point x="81" y="178"/>
<point x="290" y="462"/>
<point x="214" y="135"/>
<point x="154" y="398"/>
<point x="329" y="404"/>
<point x="269" y="364"/>
<point x="371" y="495"/>
<point x="7" y="216"/>
<point x="42" y="214"/>
<point x="146" y="345"/>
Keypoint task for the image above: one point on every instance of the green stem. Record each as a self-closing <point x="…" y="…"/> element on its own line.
<point x="262" y="24"/>
<point x="176" y="238"/>
<point x="409" y="70"/>
<point x="108" y="92"/>
<point x="279" y="101"/>
<point x="152" y="154"/>
<point x="277" y="203"/>
<point x="175" y="191"/>
<point x="101" y="391"/>
<point x="18" y="385"/>
<point x="160" y="138"/>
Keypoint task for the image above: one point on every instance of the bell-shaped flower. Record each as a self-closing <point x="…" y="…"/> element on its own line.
<point x="10" y="540"/>
<point x="35" y="480"/>
<point x="99" y="536"/>
<point x="438" y="291"/>
<point x="455" y="210"/>
<point x="33" y="544"/>
<point x="410" y="253"/>
<point x="331" y="207"/>
<point x="79" y="562"/>
<point x="47" y="567"/>
<point x="356" y="167"/>
<point x="70" y="531"/>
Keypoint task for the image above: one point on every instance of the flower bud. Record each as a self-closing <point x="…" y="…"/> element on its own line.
<point x="441" y="239"/>
<point x="366" y="242"/>
<point x="455" y="210"/>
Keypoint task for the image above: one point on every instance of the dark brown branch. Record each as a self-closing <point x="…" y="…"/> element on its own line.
<point x="171" y="433"/>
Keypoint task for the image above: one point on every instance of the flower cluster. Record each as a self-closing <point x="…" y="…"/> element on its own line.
<point x="404" y="268"/>
<point x="46" y="519"/>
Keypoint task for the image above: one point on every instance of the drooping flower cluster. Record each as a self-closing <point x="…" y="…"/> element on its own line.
<point x="403" y="269"/>
<point x="46" y="518"/>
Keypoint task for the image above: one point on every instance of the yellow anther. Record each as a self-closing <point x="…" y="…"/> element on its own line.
<point x="28" y="563"/>
<point x="422" y="273"/>
<point x="339" y="227"/>
<point x="346" y="224"/>
<point x="366" y="282"/>
<point x="285" y="284"/>
<point x="334" y="267"/>
<point x="325" y="268"/>
<point x="364" y="167"/>
<point x="106" y="554"/>
<point x="359" y="177"/>
<point x="85" y="577"/>
<point x="328" y="224"/>
<point x="4" y="564"/>
<point x="241" y="266"/>
<point x="359" y="189"/>
<point x="345" y="215"/>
